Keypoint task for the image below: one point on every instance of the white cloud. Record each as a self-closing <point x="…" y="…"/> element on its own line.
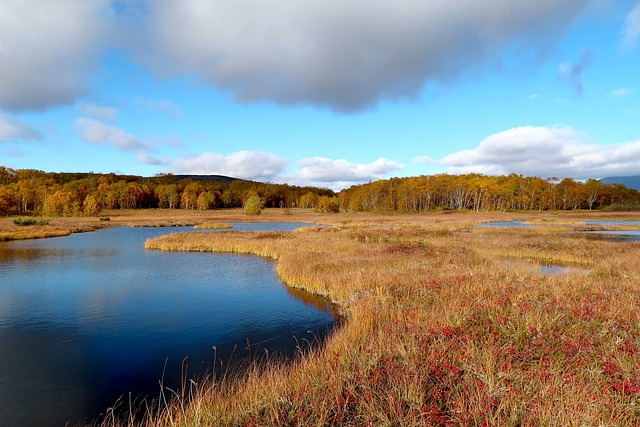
<point x="146" y="159"/>
<point x="14" y="130"/>
<point x="161" y="106"/>
<point x="631" y="29"/>
<point x="96" y="132"/>
<point x="98" y="112"/>
<point x="622" y="92"/>
<point x="252" y="165"/>
<point x="546" y="152"/>
<point x="425" y="159"/>
<point x="344" y="55"/>
<point x="47" y="48"/>
<point x="341" y="173"/>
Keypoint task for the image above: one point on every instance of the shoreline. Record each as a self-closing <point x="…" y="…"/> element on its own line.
<point x="64" y="226"/>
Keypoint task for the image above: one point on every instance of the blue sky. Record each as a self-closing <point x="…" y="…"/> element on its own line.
<point x="321" y="92"/>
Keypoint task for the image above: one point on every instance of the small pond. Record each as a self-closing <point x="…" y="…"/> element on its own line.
<point x="544" y="269"/>
<point x="91" y="318"/>
<point x="616" y="235"/>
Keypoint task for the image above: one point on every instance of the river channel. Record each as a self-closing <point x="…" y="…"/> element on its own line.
<point x="91" y="318"/>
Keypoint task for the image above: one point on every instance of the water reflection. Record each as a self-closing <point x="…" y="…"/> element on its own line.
<point x="545" y="269"/>
<point x="631" y="222"/>
<point x="615" y="235"/>
<point x="88" y="318"/>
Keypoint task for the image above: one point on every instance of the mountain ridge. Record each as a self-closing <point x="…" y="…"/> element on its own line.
<point x="632" y="181"/>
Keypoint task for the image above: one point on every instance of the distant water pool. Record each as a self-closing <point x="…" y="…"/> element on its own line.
<point x="612" y="223"/>
<point x="90" y="318"/>
<point x="616" y="235"/>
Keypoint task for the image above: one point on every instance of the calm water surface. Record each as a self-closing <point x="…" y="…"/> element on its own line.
<point x="89" y="318"/>
<point x="617" y="235"/>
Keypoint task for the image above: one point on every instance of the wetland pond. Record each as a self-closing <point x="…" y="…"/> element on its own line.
<point x="91" y="318"/>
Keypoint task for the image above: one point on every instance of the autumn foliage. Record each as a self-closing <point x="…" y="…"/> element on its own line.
<point x="69" y="194"/>
<point x="484" y="193"/>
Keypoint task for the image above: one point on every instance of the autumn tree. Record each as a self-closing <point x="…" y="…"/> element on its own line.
<point x="593" y="189"/>
<point x="328" y="204"/>
<point x="7" y="199"/>
<point x="253" y="205"/>
<point x="92" y="205"/>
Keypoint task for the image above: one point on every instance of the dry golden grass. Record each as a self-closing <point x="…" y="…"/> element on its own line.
<point x="439" y="333"/>
<point x="437" y="330"/>
<point x="57" y="227"/>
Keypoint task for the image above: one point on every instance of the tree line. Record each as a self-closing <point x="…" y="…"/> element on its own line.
<point x="56" y="194"/>
<point x="70" y="194"/>
<point x="479" y="192"/>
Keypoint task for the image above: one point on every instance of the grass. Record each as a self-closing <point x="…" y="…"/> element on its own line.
<point x="436" y="330"/>
<point x="213" y="226"/>
<point x="436" y="333"/>
<point x="22" y="229"/>
<point x="30" y="221"/>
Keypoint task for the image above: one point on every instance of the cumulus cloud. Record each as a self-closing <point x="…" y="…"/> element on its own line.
<point x="47" y="49"/>
<point x="346" y="56"/>
<point x="631" y="29"/>
<point x="572" y="73"/>
<point x="96" y="132"/>
<point x="14" y="130"/>
<point x="340" y="173"/>
<point x="546" y="152"/>
<point x="252" y="165"/>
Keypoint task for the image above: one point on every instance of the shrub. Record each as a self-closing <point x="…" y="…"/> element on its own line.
<point x="253" y="205"/>
<point x="29" y="221"/>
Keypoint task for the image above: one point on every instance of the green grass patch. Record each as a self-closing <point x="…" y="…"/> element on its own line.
<point x="213" y="226"/>
<point x="30" y="221"/>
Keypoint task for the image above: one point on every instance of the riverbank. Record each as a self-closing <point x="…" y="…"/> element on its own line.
<point x="63" y="226"/>
<point x="439" y="329"/>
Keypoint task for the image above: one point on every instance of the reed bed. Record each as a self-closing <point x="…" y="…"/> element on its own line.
<point x="44" y="229"/>
<point x="214" y="226"/>
<point x="436" y="332"/>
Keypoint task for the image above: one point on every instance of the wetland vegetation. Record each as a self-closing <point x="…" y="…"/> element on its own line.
<point x="438" y="329"/>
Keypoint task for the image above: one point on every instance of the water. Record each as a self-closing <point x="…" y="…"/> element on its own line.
<point x="616" y="235"/>
<point x="630" y="222"/>
<point x="89" y="318"/>
<point x="544" y="269"/>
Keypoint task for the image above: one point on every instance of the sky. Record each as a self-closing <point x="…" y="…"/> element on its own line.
<point x="328" y="93"/>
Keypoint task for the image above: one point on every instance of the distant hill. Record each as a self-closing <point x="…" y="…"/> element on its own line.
<point x="207" y="178"/>
<point x="627" y="181"/>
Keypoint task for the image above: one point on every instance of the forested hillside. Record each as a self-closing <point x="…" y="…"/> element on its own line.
<point x="55" y="194"/>
<point x="485" y="193"/>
